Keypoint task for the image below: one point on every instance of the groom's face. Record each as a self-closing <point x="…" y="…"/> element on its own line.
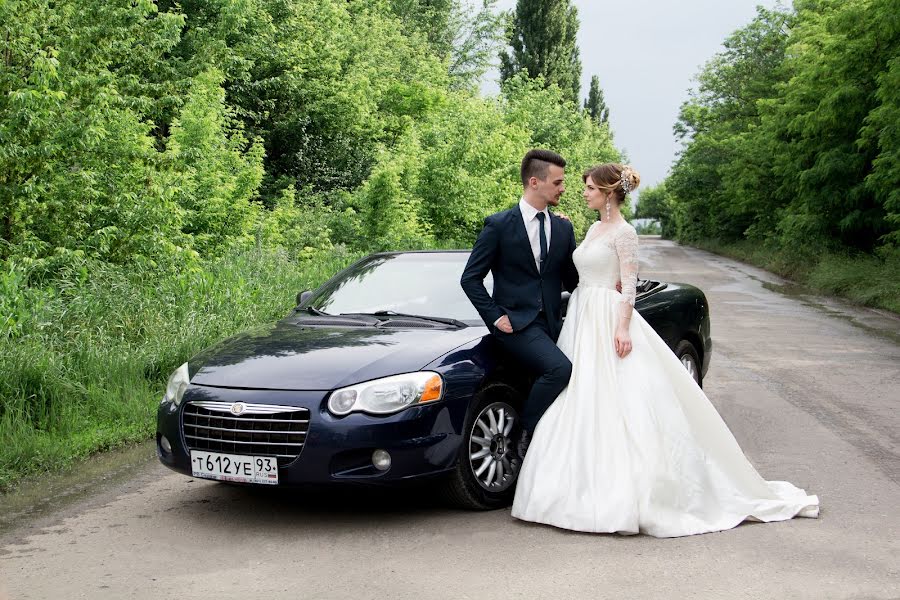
<point x="552" y="187"/>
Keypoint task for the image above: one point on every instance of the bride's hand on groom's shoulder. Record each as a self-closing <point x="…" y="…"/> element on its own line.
<point x="562" y="216"/>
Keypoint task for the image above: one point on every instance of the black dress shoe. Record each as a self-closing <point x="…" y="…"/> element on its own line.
<point x="524" y="441"/>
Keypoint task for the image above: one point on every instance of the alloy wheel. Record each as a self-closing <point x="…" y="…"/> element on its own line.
<point x="492" y="452"/>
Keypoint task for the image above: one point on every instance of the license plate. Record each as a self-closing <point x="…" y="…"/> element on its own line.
<point x="235" y="467"/>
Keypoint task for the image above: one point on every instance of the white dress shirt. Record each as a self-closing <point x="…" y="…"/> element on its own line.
<point x="529" y="215"/>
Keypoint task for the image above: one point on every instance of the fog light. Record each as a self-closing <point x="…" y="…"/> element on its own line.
<point x="381" y="459"/>
<point x="165" y="445"/>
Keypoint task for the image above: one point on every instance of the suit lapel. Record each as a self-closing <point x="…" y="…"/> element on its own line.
<point x="522" y="234"/>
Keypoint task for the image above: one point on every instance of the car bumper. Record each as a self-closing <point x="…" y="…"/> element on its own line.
<point x="422" y="441"/>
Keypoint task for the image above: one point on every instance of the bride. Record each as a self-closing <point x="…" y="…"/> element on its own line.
<point x="633" y="445"/>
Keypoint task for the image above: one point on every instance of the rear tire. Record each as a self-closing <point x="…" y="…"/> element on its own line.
<point x="688" y="356"/>
<point x="488" y="464"/>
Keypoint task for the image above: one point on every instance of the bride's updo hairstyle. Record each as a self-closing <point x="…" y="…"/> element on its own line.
<point x="614" y="177"/>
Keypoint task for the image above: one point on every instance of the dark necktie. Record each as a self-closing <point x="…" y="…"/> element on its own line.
<point x="543" y="238"/>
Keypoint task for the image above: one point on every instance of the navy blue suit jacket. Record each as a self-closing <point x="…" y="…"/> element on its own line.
<point x="503" y="249"/>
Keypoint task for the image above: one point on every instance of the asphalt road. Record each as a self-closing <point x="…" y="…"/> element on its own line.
<point x="809" y="387"/>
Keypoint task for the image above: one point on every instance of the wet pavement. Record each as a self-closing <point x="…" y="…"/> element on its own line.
<point x="809" y="386"/>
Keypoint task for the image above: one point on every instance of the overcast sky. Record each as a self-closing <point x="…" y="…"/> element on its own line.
<point x="646" y="54"/>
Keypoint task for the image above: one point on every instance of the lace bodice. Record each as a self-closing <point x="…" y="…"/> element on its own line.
<point x="610" y="256"/>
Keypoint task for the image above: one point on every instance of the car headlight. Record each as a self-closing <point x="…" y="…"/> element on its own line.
<point x="387" y="395"/>
<point x="178" y="383"/>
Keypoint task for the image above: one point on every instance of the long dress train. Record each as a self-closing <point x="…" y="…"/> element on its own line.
<point x="634" y="445"/>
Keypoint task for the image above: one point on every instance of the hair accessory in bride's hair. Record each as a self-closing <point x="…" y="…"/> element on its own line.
<point x="625" y="178"/>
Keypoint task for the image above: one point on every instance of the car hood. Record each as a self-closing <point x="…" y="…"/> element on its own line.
<point x="287" y="356"/>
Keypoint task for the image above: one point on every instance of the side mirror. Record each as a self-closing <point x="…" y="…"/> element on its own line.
<point x="303" y="297"/>
<point x="564" y="304"/>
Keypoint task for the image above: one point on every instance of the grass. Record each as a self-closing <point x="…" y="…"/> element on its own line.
<point x="86" y="355"/>
<point x="870" y="280"/>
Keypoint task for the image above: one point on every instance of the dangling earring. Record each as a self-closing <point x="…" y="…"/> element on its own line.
<point x="608" y="217"/>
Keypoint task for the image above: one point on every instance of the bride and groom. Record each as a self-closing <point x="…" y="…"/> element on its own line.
<point x="616" y="436"/>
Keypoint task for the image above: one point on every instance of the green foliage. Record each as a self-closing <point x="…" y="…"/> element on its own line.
<point x="594" y="104"/>
<point x="882" y="130"/>
<point x="462" y="163"/>
<point x="722" y="183"/>
<point x="321" y="83"/>
<point x="431" y="19"/>
<point x="650" y="228"/>
<point x="657" y="203"/>
<point x="78" y="166"/>
<point x="218" y="171"/>
<point x="477" y="34"/>
<point x="464" y="34"/>
<point x="174" y="172"/>
<point x="85" y="363"/>
<point x="393" y="214"/>
<point x="542" y="36"/>
<point x="792" y="136"/>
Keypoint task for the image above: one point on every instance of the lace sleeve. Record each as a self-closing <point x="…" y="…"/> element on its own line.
<point x="627" y="250"/>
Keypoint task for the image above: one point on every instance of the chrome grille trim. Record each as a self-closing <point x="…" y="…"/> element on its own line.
<point x="260" y="429"/>
<point x="195" y="437"/>
<point x="253" y="409"/>
<point x="242" y="418"/>
<point x="207" y="428"/>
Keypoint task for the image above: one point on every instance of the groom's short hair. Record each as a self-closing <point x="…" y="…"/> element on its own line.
<point x="536" y="163"/>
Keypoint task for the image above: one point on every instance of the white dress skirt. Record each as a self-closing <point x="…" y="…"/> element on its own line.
<point x="633" y="445"/>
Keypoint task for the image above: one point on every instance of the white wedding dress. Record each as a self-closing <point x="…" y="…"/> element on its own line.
<point x="634" y="445"/>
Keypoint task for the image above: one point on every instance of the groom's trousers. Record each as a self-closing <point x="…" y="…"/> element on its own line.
<point x="534" y="348"/>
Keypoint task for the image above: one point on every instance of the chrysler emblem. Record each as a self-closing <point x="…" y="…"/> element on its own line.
<point x="237" y="408"/>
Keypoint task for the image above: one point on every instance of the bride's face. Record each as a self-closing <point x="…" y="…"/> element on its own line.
<point x="595" y="197"/>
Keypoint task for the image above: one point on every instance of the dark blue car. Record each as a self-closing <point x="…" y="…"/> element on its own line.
<point x="382" y="375"/>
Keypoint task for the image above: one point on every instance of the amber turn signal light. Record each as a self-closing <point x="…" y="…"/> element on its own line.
<point x="433" y="389"/>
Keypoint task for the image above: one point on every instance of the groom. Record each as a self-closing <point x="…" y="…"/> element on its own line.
<point x="529" y="251"/>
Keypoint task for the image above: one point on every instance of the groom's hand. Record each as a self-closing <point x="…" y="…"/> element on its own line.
<point x="619" y="286"/>
<point x="504" y="325"/>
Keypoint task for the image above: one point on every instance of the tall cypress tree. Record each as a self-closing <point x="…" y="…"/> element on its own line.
<point x="595" y="105"/>
<point x="542" y="38"/>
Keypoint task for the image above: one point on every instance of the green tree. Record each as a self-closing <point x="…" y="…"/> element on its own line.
<point x="822" y="154"/>
<point x="790" y="137"/>
<point x="477" y="34"/>
<point x="595" y="105"/>
<point x="321" y="83"/>
<point x="656" y="203"/>
<point x="219" y="171"/>
<point x="542" y="36"/>
<point x="432" y="19"/>
<point x="79" y="168"/>
<point x="881" y="130"/>
<point x="722" y="181"/>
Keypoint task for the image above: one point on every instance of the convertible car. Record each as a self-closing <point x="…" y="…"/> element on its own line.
<point x="382" y="375"/>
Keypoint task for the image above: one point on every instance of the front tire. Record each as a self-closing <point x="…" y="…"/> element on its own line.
<point x="488" y="464"/>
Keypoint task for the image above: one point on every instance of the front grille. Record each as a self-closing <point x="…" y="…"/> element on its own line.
<point x="259" y="429"/>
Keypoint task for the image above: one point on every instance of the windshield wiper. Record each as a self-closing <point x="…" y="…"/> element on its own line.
<point x="444" y="320"/>
<point x="315" y="311"/>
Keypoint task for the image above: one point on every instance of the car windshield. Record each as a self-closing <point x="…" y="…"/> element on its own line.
<point x="418" y="283"/>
